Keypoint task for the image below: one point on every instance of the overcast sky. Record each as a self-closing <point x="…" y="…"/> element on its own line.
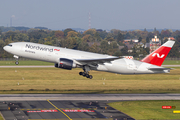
<point x="105" y="14"/>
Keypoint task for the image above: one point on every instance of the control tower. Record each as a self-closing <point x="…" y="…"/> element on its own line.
<point x="154" y="44"/>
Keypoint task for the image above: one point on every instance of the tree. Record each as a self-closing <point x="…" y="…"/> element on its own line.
<point x="36" y="35"/>
<point x="21" y="37"/>
<point x="83" y="46"/>
<point x="147" y="40"/>
<point x="72" y="34"/>
<point x="67" y="30"/>
<point x="104" y="47"/>
<point x="97" y="36"/>
<point x="174" y="52"/>
<point x="140" y="39"/>
<point x="117" y="53"/>
<point x="59" y="33"/>
<point x="131" y="42"/>
<point x="10" y="35"/>
<point x="88" y="38"/>
<point x="165" y="33"/>
<point x="120" y="37"/>
<point x="94" y="48"/>
<point x="102" y="34"/>
<point x="90" y="31"/>
<point x="124" y="51"/>
<point x="127" y="36"/>
<point x="2" y="44"/>
<point x="114" y="45"/>
<point x="147" y="49"/>
<point x="134" y="51"/>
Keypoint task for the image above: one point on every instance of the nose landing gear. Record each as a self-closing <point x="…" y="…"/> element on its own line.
<point x="16" y="57"/>
<point x="16" y="62"/>
<point x="86" y="72"/>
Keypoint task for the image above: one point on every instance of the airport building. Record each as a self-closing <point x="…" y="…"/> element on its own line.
<point x="154" y="44"/>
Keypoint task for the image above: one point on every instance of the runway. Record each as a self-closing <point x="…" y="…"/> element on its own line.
<point x="69" y="106"/>
<point x="49" y="66"/>
<point x="61" y="110"/>
<point x="38" y="97"/>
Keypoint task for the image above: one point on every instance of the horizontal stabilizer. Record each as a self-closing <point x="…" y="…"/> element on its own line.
<point x="160" y="68"/>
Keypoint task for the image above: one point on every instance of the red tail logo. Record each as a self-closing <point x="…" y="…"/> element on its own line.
<point x="158" y="56"/>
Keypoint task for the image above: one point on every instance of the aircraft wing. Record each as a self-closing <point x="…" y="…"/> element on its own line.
<point x="94" y="62"/>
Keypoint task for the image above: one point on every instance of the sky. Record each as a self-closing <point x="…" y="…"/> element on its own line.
<point x="105" y="14"/>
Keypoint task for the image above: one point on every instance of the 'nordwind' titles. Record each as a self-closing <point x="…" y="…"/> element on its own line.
<point x="39" y="48"/>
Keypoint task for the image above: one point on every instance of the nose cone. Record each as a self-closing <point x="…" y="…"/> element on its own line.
<point x="5" y="48"/>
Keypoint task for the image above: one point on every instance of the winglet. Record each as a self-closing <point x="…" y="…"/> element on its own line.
<point x="158" y="56"/>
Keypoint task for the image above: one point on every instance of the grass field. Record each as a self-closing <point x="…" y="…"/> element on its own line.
<point x="148" y="109"/>
<point x="54" y="80"/>
<point x="1" y="117"/>
<point x="35" y="62"/>
<point x="171" y="62"/>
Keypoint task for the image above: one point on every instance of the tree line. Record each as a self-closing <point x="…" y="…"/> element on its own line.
<point x="92" y="40"/>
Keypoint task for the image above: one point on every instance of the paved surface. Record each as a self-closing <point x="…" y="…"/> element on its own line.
<point x="49" y="66"/>
<point x="37" y="97"/>
<point x="27" y="66"/>
<point x="69" y="106"/>
<point x="66" y="110"/>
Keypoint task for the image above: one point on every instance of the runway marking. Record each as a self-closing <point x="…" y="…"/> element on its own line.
<point x="37" y="109"/>
<point x="59" y="110"/>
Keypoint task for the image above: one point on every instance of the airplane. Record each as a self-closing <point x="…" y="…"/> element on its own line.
<point x="68" y="58"/>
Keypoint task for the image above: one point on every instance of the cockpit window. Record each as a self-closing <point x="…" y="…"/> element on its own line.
<point x="9" y="45"/>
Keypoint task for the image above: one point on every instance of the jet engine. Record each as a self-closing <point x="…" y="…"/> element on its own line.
<point x="65" y="64"/>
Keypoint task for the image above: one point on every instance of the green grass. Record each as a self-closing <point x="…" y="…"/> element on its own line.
<point x="35" y="62"/>
<point x="1" y="117"/>
<point x="54" y="80"/>
<point x="28" y="62"/>
<point x="148" y="109"/>
<point x="171" y="62"/>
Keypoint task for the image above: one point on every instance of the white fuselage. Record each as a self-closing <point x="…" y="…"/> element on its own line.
<point x="53" y="54"/>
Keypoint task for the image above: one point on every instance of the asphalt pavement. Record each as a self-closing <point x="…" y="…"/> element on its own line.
<point x="37" y="97"/>
<point x="61" y="110"/>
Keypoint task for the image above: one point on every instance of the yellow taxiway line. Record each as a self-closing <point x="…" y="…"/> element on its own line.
<point x="59" y="110"/>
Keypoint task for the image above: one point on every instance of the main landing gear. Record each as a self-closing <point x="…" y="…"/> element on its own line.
<point x="16" y="57"/>
<point x="86" y="75"/>
<point x="86" y="72"/>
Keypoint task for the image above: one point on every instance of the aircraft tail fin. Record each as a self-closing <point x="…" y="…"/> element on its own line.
<point x="158" y="56"/>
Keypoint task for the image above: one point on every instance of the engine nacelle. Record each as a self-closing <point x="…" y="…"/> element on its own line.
<point x="65" y="64"/>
